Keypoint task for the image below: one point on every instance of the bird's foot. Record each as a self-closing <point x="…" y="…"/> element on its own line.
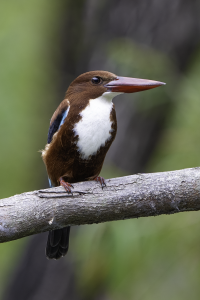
<point x="67" y="186"/>
<point x="101" y="180"/>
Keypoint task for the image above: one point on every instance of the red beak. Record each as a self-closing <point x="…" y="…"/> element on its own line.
<point x="131" y="85"/>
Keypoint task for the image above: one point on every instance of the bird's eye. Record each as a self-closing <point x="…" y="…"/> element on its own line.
<point x="96" y="80"/>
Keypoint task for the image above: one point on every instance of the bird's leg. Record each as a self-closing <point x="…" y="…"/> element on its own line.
<point x="101" y="180"/>
<point x="67" y="186"/>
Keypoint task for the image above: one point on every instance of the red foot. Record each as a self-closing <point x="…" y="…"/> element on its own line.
<point x="67" y="186"/>
<point x="101" y="180"/>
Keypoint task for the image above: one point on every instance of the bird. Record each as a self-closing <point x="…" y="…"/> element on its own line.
<point x="81" y="131"/>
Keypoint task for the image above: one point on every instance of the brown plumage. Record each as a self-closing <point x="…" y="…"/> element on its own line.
<point x="76" y="149"/>
<point x="62" y="157"/>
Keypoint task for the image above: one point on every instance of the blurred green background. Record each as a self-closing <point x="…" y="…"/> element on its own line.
<point x="43" y="46"/>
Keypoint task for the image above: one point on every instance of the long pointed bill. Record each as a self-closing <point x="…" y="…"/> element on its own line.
<point x="131" y="85"/>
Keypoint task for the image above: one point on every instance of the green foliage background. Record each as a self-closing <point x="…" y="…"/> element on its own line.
<point x="26" y="98"/>
<point x="152" y="258"/>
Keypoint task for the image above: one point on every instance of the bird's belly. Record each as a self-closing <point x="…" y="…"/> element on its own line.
<point x="94" y="129"/>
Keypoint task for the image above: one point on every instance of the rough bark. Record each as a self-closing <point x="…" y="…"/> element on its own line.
<point x="134" y="196"/>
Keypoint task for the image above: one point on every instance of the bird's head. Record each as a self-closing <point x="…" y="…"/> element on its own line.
<point x="95" y="83"/>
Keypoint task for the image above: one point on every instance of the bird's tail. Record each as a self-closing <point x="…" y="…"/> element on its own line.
<point x="57" y="243"/>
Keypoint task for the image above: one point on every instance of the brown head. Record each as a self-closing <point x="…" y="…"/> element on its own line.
<point x="93" y="84"/>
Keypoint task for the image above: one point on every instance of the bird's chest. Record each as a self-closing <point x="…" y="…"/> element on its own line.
<point x="94" y="128"/>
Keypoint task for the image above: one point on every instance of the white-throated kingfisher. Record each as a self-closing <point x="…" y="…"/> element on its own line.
<point x="81" y="131"/>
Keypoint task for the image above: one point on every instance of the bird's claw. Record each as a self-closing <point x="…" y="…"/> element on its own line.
<point x="101" y="180"/>
<point x="67" y="186"/>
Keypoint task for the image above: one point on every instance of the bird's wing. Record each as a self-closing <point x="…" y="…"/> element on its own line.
<point x="57" y="120"/>
<point x="55" y="124"/>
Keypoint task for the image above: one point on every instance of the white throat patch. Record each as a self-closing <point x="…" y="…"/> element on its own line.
<point x="94" y="128"/>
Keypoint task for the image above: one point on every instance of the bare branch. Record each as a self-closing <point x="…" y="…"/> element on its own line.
<point x="134" y="196"/>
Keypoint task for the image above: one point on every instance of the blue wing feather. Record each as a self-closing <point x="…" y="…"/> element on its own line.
<point x="55" y="126"/>
<point x="64" y="117"/>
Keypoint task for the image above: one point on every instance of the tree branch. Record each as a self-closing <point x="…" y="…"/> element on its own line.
<point x="134" y="196"/>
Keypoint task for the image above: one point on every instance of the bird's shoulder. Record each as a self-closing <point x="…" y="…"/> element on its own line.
<point x="58" y="119"/>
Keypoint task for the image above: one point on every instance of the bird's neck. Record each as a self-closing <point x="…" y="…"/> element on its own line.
<point x="107" y="96"/>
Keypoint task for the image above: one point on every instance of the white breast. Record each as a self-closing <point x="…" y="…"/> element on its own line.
<point x="94" y="128"/>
